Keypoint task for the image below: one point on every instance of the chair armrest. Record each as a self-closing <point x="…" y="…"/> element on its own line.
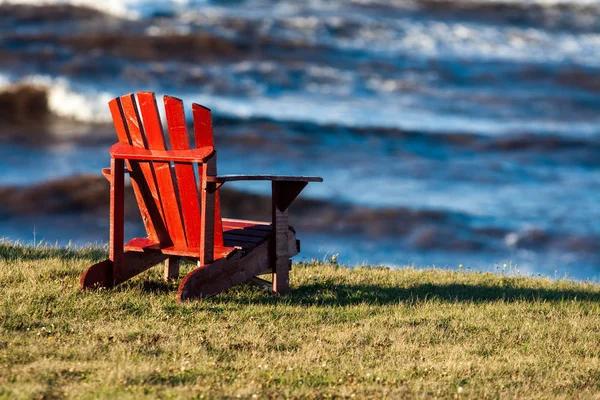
<point x="129" y="152"/>
<point x="273" y="178"/>
<point x="285" y="188"/>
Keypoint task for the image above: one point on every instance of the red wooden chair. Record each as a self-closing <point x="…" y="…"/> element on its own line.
<point x="182" y="216"/>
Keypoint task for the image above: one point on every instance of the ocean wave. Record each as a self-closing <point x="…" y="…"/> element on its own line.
<point x="297" y="67"/>
<point x="437" y="33"/>
<point x="397" y="33"/>
<point x="63" y="100"/>
<point x="301" y="113"/>
<point x="145" y="8"/>
<point x="128" y="9"/>
<point x="119" y="8"/>
<point x="87" y="104"/>
<point x="423" y="230"/>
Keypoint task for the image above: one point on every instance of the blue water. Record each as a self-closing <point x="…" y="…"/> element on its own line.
<point x="489" y="117"/>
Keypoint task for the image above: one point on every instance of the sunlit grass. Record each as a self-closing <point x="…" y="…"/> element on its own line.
<point x="365" y="332"/>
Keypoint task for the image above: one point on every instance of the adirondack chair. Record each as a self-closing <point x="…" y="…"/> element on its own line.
<point x="181" y="215"/>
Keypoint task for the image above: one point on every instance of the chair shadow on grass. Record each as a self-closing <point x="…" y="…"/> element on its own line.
<point x="328" y="294"/>
<point x="343" y="294"/>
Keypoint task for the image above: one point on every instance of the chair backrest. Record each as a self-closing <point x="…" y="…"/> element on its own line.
<point x="167" y="193"/>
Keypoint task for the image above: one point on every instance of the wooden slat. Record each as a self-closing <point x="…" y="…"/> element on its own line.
<point x="140" y="244"/>
<point x="242" y="239"/>
<point x="207" y="218"/>
<point x="247" y="232"/>
<point x="184" y="172"/>
<point x="107" y="174"/>
<point x="136" y="263"/>
<point x="99" y="274"/>
<point x="171" y="270"/>
<point x="105" y="274"/>
<point x="136" y="136"/>
<point x="203" y="131"/>
<point x="145" y="245"/>
<point x="203" y="135"/>
<point x="144" y="205"/>
<point x="117" y="216"/>
<point x="280" y="259"/>
<point x="164" y="179"/>
<point x="128" y="152"/>
<point x="230" y="223"/>
<point x="209" y="280"/>
<point x="278" y="178"/>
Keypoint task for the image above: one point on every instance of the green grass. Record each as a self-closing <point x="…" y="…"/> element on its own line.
<point x="363" y="333"/>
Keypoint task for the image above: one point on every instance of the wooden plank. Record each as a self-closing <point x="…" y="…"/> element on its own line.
<point x="203" y="131"/>
<point x="162" y="170"/>
<point x="142" y="245"/>
<point x="117" y="213"/>
<point x="171" y="270"/>
<point x="240" y="239"/>
<point x="97" y="275"/>
<point x="136" y="263"/>
<point x="139" y="191"/>
<point x="184" y="172"/>
<point x="152" y="198"/>
<point x="230" y="223"/>
<point x="278" y="178"/>
<point x="122" y="150"/>
<point x="246" y="232"/>
<point x="209" y="280"/>
<point x="107" y="174"/>
<point x="207" y="219"/>
<point x="279" y="250"/>
<point x="203" y="135"/>
<point x="102" y="274"/>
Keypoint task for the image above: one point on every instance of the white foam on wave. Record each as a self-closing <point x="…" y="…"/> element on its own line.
<point x="381" y="112"/>
<point x="129" y="9"/>
<point x="4" y="81"/>
<point x="471" y="41"/>
<point x="405" y="3"/>
<point x="65" y="101"/>
<point x="86" y="104"/>
<point x="119" y="8"/>
<point x="398" y="34"/>
<point x="393" y="34"/>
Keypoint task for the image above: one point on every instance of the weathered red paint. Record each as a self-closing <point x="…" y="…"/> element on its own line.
<point x="184" y="172"/>
<point x="182" y="217"/>
<point x="203" y="134"/>
<point x="147" y="181"/>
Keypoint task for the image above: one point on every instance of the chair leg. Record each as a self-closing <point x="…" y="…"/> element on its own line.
<point x="171" y="270"/>
<point x="280" y="257"/>
<point x="209" y="280"/>
<point x="117" y="215"/>
<point x="99" y="274"/>
<point x="105" y="274"/>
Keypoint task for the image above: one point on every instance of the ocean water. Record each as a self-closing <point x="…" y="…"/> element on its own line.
<point x="471" y="128"/>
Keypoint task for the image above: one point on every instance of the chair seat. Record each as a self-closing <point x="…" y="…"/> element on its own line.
<point x="245" y="234"/>
<point x="176" y="184"/>
<point x="237" y="234"/>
